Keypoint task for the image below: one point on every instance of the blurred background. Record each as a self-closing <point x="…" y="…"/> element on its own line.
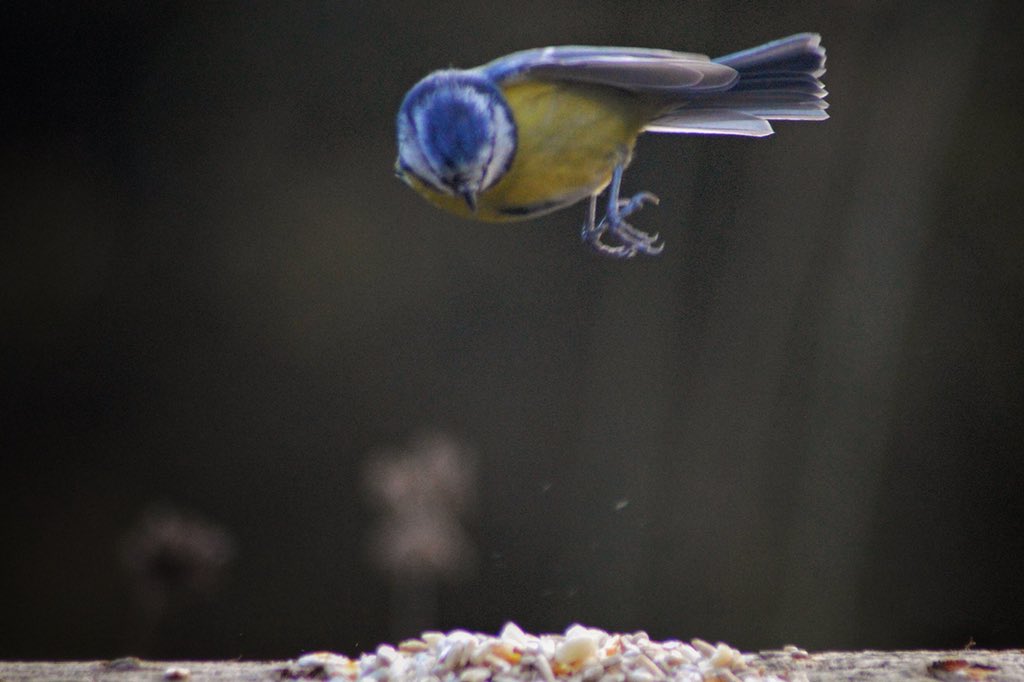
<point x="259" y="398"/>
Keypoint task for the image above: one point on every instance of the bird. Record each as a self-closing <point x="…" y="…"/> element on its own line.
<point x="542" y="129"/>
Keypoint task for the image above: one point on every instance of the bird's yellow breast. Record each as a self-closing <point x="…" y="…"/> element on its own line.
<point x="569" y="139"/>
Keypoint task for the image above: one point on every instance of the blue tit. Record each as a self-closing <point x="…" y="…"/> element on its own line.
<point x="539" y="130"/>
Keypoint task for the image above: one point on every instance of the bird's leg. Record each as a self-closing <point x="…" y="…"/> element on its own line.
<point x="631" y="241"/>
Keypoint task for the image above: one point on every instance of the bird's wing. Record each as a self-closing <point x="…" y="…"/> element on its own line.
<point x="733" y="95"/>
<point x="661" y="73"/>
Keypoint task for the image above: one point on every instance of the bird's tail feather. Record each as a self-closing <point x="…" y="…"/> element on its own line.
<point x="777" y="81"/>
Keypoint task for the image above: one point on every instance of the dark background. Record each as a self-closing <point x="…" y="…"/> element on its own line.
<point x="802" y="423"/>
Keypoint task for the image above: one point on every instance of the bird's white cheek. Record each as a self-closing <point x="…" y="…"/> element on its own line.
<point x="503" y="147"/>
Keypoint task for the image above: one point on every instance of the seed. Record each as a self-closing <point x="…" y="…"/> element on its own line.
<point x="432" y="638"/>
<point x="581" y="654"/>
<point x="576" y="650"/>
<point x="475" y="674"/>
<point x="412" y="646"/>
<point x="706" y="650"/>
<point x="545" y="668"/>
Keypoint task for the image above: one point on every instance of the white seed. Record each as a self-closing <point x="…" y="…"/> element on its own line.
<point x="706" y="650"/>
<point x="475" y="674"/>
<point x="724" y="656"/>
<point x="544" y="667"/>
<point x="512" y="633"/>
<point x="577" y="630"/>
<point x="432" y="638"/>
<point x="455" y="654"/>
<point x="497" y="663"/>
<point x="672" y="657"/>
<point x="650" y="665"/>
<point x="329" y="664"/>
<point x="576" y="650"/>
<point x="412" y="646"/>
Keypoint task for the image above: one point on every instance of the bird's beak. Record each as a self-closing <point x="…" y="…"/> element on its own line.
<point x="469" y="196"/>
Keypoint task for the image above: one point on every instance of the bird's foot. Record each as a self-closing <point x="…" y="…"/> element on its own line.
<point x="627" y="240"/>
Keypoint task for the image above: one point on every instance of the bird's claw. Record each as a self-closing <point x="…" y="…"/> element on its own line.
<point x="631" y="241"/>
<point x="635" y="203"/>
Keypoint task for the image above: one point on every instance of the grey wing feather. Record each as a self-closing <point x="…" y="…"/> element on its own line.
<point x="712" y="122"/>
<point x="797" y="53"/>
<point x="661" y="73"/>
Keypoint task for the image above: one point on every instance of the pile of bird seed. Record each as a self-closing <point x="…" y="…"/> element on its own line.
<point x="580" y="655"/>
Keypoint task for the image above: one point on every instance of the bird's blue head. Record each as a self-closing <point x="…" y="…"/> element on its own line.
<point x="456" y="134"/>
